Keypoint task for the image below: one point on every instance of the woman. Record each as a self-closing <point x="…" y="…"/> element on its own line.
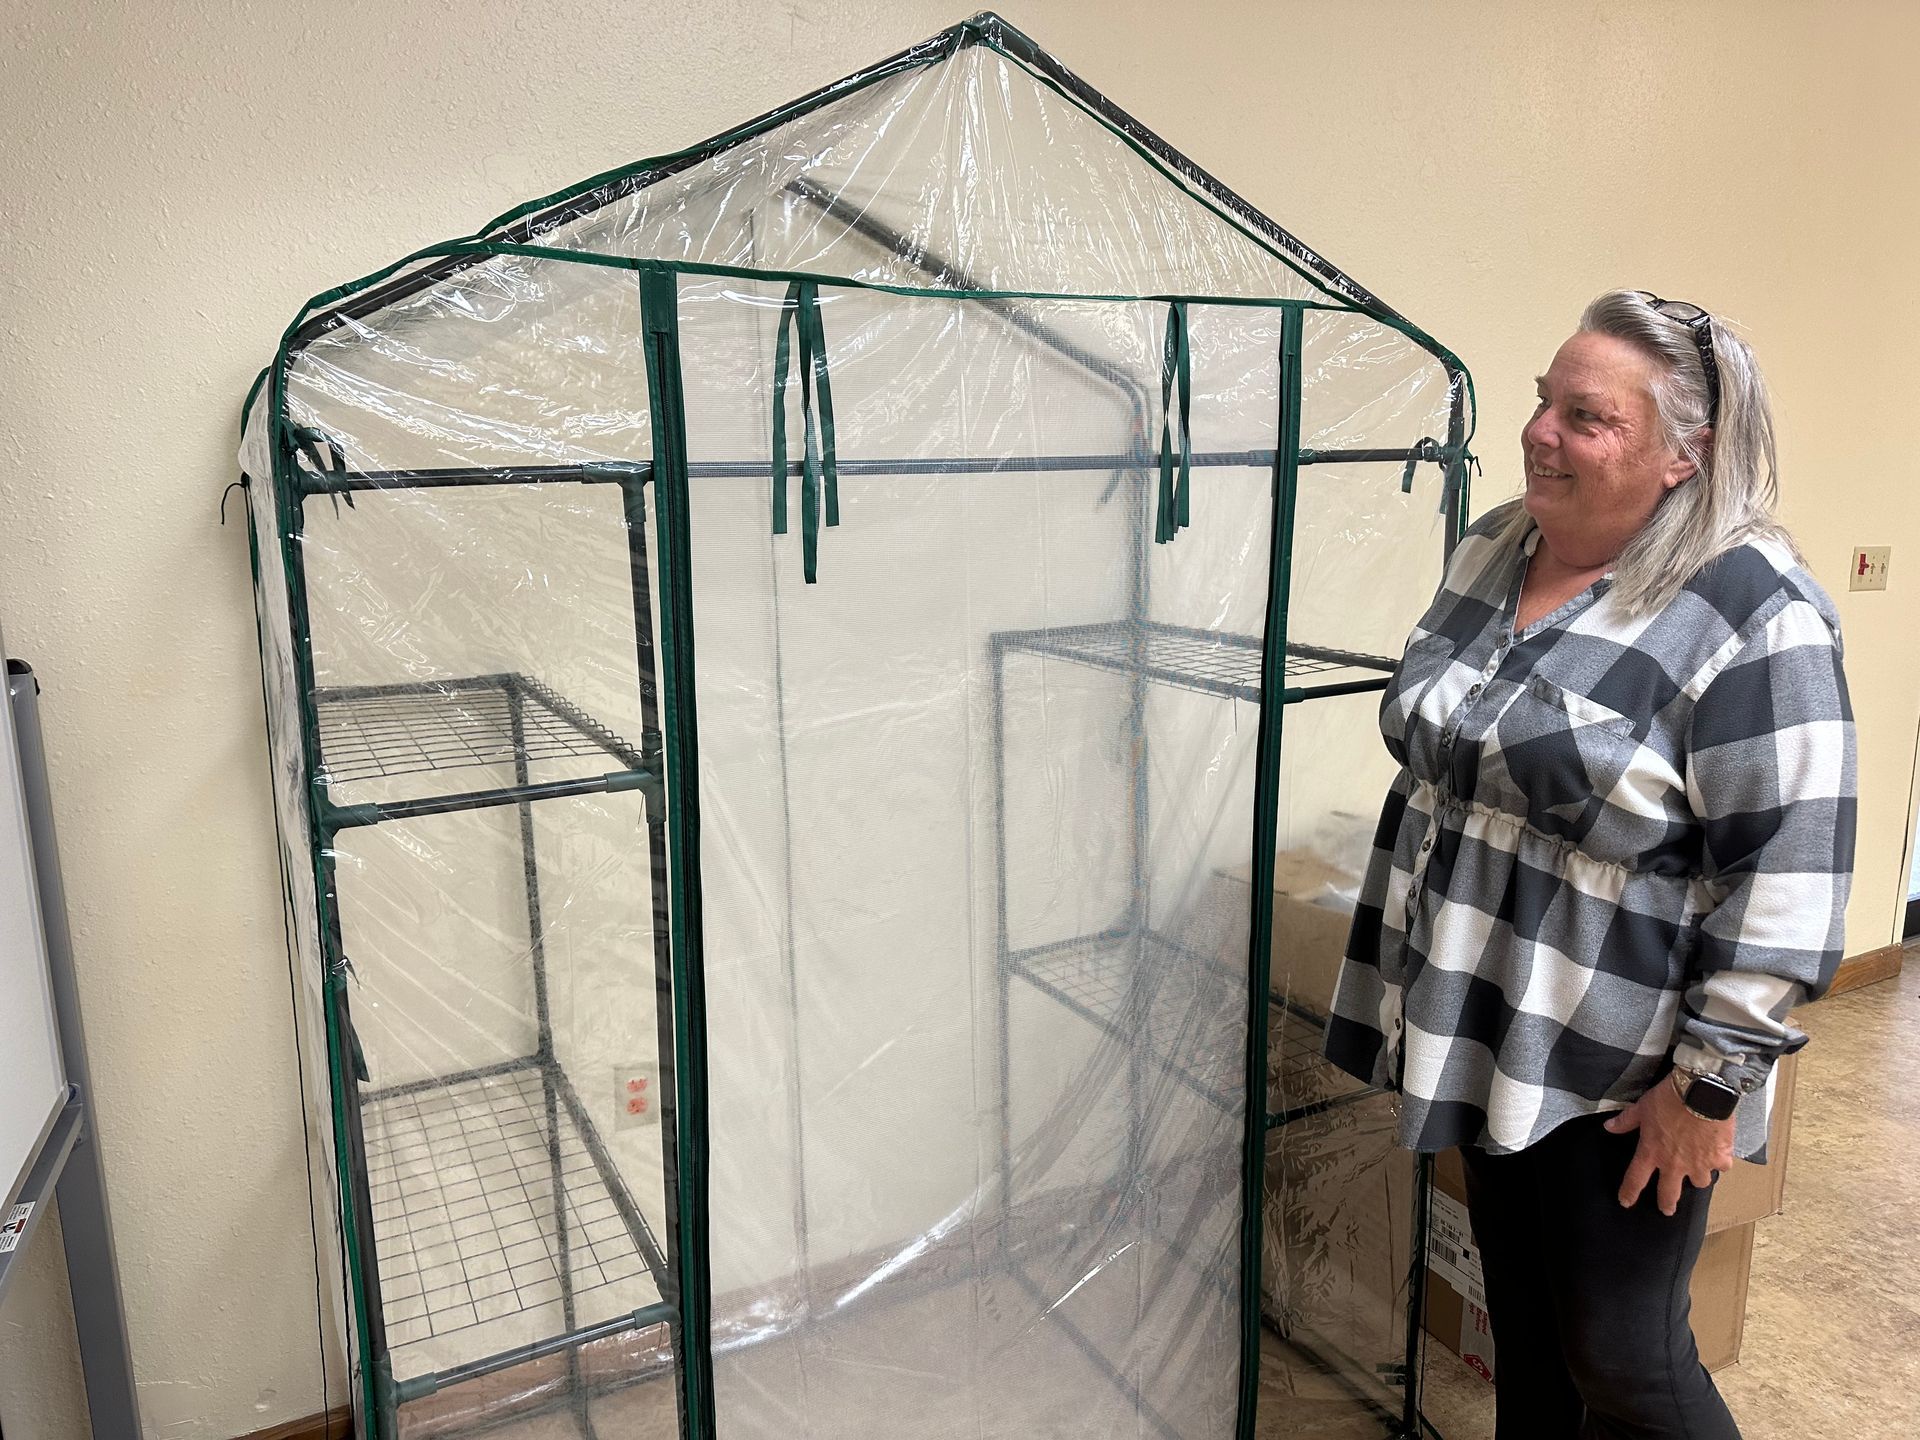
<point x="1616" y="857"/>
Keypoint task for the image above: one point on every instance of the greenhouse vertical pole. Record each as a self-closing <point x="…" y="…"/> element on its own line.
<point x="543" y="1019"/>
<point x="344" y="1055"/>
<point x="1139" y="919"/>
<point x="633" y="500"/>
<point x="354" y="1202"/>
<point x="1003" y="935"/>
<point x="659" y="303"/>
<point x="530" y="874"/>
<point x="1455" y="502"/>
<point x="1417" y="1292"/>
<point x="1266" y="824"/>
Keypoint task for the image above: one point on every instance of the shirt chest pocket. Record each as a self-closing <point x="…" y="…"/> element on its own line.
<point x="1559" y="756"/>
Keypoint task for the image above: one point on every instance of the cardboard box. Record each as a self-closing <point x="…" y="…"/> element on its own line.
<point x="1720" y="1295"/>
<point x="1456" y="1313"/>
<point x="1751" y="1192"/>
<point x="1337" y="1209"/>
<point x="1337" y="1227"/>
<point x="1309" y="938"/>
<point x="1461" y="1325"/>
<point x="1312" y="913"/>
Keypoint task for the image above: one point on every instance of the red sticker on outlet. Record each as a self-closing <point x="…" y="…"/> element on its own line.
<point x="633" y="1087"/>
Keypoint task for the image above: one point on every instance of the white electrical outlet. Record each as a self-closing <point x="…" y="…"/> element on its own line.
<point x="1869" y="570"/>
<point x="636" y="1095"/>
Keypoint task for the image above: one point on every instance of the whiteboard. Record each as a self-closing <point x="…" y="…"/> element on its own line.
<point x="33" y="1085"/>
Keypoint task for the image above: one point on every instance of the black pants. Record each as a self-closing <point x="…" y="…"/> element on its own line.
<point x="1589" y="1302"/>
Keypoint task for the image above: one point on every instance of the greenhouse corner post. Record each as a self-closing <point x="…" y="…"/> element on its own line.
<point x="1455" y="502"/>
<point x="1266" y="824"/>
<point x="356" y="1213"/>
<point x="659" y="305"/>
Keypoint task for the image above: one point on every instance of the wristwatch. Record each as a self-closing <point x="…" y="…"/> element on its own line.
<point x="1704" y="1095"/>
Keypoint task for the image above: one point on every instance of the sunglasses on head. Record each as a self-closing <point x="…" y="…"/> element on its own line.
<point x="1699" y="325"/>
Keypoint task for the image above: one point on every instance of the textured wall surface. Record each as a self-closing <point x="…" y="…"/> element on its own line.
<point x="179" y="177"/>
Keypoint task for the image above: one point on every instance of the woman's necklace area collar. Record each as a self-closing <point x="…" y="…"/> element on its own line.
<point x="1591" y="593"/>
<point x="1531" y="542"/>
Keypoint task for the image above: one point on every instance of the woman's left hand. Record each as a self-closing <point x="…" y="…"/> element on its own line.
<point x="1675" y="1144"/>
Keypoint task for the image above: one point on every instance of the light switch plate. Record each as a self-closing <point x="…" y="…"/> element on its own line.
<point x="1869" y="569"/>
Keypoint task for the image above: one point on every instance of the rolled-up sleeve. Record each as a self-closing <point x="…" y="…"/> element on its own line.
<point x="1771" y="778"/>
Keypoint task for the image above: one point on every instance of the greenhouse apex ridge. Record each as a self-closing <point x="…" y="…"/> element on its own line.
<point x="529" y="229"/>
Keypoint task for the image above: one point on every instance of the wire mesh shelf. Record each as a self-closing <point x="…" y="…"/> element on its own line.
<point x="1301" y="1081"/>
<point x="488" y="1203"/>
<point x="1293" y="1048"/>
<point x="1192" y="1013"/>
<point x="1212" y="662"/>
<point x="381" y="731"/>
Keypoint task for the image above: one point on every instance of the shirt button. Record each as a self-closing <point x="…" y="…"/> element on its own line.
<point x="1473" y="690"/>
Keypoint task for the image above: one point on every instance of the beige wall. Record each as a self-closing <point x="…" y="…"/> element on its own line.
<point x="179" y="177"/>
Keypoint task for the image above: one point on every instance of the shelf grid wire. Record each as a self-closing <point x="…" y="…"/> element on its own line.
<point x="1195" y="1015"/>
<point x="461" y="1176"/>
<point x="380" y="731"/>
<point x="1298" y="1072"/>
<point x="1210" y="661"/>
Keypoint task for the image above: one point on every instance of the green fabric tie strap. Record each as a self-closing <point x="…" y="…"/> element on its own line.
<point x="819" y="467"/>
<point x="810" y="464"/>
<point x="823" y="397"/>
<point x="1175" y="509"/>
<point x="322" y="452"/>
<point x="1425" y="448"/>
<point x="782" y="355"/>
<point x="1456" y="486"/>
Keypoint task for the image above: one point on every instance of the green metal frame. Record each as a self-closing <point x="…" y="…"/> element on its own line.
<point x="659" y="300"/>
<point x="515" y="234"/>
<point x="376" y="1385"/>
<point x="1266" y="828"/>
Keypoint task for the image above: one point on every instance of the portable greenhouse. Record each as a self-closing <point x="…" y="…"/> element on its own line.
<point x="776" y="661"/>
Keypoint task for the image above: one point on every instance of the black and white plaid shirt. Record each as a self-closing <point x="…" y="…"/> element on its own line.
<point x="1615" y="843"/>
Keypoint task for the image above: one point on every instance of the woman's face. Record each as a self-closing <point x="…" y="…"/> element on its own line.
<point x="1596" y="462"/>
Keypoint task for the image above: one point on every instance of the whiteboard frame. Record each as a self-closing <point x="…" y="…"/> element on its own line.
<point x="33" y="1076"/>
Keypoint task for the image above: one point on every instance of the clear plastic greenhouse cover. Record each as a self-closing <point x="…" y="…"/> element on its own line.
<point x="811" y="683"/>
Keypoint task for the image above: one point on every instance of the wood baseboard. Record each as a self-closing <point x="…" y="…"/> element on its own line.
<point x="334" y="1425"/>
<point x="1870" y="968"/>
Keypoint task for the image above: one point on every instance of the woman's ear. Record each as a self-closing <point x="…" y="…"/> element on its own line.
<point x="1683" y="469"/>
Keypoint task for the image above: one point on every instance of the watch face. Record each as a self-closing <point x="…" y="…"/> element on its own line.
<point x="1712" y="1099"/>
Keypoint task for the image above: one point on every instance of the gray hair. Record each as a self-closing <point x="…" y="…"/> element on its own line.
<point x="1730" y="497"/>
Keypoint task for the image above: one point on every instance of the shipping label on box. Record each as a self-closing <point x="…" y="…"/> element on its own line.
<point x="1476" y="1340"/>
<point x="1452" y="1255"/>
